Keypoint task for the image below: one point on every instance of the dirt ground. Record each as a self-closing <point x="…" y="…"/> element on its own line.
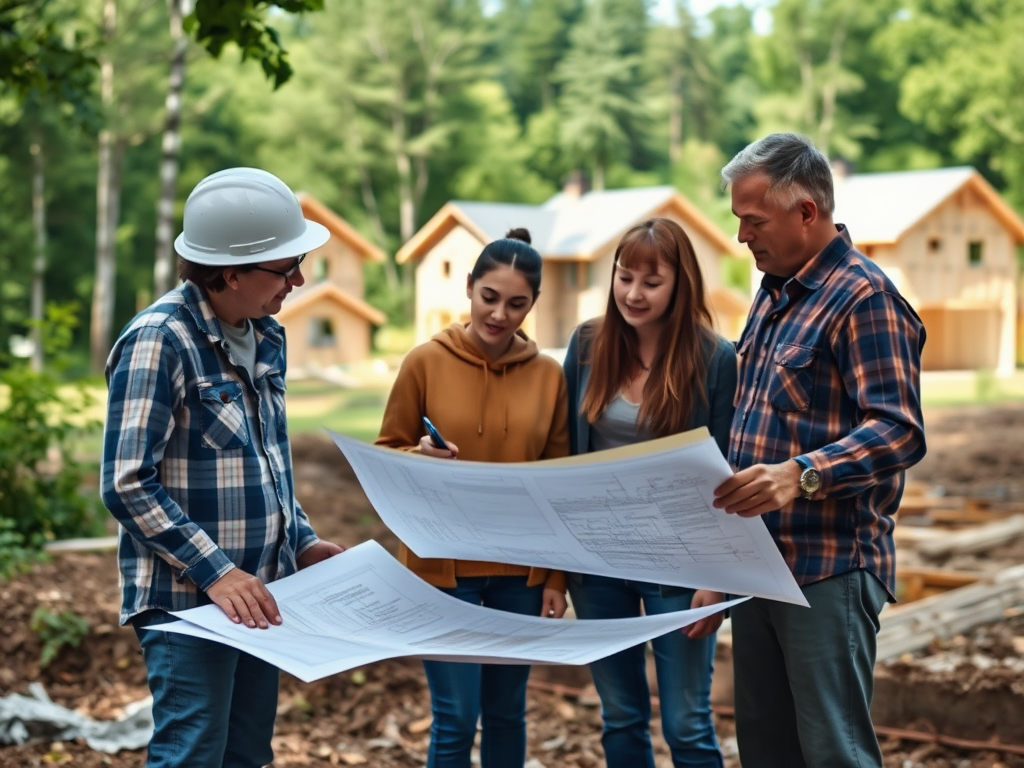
<point x="379" y="715"/>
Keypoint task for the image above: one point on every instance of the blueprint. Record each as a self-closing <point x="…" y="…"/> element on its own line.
<point x="643" y="512"/>
<point x="363" y="606"/>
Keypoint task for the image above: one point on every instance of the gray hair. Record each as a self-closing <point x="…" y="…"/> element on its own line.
<point x="794" y="168"/>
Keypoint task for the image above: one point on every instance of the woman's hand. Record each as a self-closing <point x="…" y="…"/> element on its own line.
<point x="709" y="624"/>
<point x="427" y="448"/>
<point x="554" y="604"/>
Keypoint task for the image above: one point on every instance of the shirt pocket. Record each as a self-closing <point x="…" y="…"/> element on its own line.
<point x="222" y="416"/>
<point x="793" y="382"/>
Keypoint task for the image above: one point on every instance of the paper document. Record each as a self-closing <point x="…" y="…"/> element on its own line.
<point x="642" y="512"/>
<point x="363" y="606"/>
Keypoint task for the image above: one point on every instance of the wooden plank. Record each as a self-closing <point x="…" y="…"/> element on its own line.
<point x="915" y="625"/>
<point x="917" y="583"/>
<point x="100" y="544"/>
<point x="979" y="538"/>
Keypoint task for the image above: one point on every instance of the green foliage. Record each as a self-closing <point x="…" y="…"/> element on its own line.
<point x="214" y="23"/>
<point x="600" y="79"/>
<point x="40" y="480"/>
<point x="961" y="75"/>
<point x="44" y="56"/>
<point x="15" y="557"/>
<point x="397" y="106"/>
<point x="57" y="630"/>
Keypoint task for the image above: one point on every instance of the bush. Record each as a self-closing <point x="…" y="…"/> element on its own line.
<point x="57" y="630"/>
<point x="40" y="480"/>
<point x="15" y="557"/>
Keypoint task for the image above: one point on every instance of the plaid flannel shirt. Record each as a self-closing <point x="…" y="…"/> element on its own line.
<point x="196" y="460"/>
<point x="830" y="372"/>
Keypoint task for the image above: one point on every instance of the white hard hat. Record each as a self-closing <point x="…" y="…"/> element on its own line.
<point x="244" y="216"/>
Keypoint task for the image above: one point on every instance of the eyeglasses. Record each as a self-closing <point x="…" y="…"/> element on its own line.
<point x="286" y="275"/>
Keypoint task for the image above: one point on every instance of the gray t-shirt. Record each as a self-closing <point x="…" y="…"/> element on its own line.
<point x="617" y="426"/>
<point x="241" y="346"/>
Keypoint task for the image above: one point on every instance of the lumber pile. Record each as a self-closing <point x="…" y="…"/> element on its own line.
<point x="915" y="625"/>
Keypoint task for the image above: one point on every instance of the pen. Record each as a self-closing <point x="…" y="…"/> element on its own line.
<point x="436" y="436"/>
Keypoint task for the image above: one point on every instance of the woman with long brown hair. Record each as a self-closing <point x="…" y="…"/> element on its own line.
<point x="651" y="366"/>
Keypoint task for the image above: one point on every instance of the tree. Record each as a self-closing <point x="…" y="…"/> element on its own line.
<point x="533" y="37"/>
<point x="810" y="62"/>
<point x="41" y="52"/>
<point x="170" y="150"/>
<point x="216" y="23"/>
<point x="600" y="80"/>
<point x="962" y="73"/>
<point x="681" y="80"/>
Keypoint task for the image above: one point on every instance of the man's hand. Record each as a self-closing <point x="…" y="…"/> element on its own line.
<point x="554" y="604"/>
<point x="709" y="624"/>
<point x="317" y="553"/>
<point x="245" y="599"/>
<point x="759" y="489"/>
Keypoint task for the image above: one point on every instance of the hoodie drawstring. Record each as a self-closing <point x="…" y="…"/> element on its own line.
<point x="504" y="402"/>
<point x="483" y="403"/>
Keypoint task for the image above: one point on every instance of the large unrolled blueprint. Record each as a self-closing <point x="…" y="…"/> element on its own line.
<point x="643" y="512"/>
<point x="363" y="606"/>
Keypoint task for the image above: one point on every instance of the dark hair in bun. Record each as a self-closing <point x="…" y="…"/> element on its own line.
<point x="519" y="233"/>
<point x="513" y="250"/>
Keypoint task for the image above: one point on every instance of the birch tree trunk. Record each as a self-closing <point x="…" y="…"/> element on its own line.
<point x="106" y="200"/>
<point x="39" y="262"/>
<point x="163" y="272"/>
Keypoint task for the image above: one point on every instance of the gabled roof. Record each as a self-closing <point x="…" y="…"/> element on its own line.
<point x="327" y="291"/>
<point x="879" y="208"/>
<point x="564" y="227"/>
<point x="339" y="228"/>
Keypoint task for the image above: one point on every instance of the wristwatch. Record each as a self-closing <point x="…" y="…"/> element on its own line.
<point x="810" y="478"/>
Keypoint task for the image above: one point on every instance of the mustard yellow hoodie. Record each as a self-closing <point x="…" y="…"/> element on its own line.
<point x="511" y="409"/>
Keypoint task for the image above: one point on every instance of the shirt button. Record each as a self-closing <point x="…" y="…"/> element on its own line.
<point x="224" y="397"/>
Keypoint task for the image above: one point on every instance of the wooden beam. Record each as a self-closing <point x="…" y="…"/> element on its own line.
<point x="980" y="538"/>
<point x="916" y="625"/>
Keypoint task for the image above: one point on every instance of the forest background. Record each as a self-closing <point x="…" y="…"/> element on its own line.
<point x="111" y="111"/>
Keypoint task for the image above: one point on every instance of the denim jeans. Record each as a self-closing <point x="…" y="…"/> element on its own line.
<point x="683" y="667"/>
<point x="804" y="676"/>
<point x="213" y="706"/>
<point x="461" y="694"/>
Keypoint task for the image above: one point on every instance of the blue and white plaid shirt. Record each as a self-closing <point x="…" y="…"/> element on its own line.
<point x="196" y="460"/>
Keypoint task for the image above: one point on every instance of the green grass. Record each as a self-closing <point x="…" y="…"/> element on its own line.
<point x="940" y="388"/>
<point x="312" y="405"/>
<point x="354" y="412"/>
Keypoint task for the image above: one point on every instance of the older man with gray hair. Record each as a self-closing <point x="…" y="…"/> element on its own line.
<point x="827" y="419"/>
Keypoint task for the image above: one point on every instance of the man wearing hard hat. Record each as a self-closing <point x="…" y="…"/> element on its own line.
<point x="197" y="466"/>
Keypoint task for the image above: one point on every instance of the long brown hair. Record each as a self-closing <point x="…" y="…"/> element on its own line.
<point x="675" y="384"/>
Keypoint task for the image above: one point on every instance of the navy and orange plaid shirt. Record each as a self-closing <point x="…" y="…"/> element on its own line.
<point x="830" y="364"/>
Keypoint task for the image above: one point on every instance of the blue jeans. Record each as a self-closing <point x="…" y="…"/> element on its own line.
<point x="804" y="676"/>
<point x="683" y="666"/>
<point x="213" y="706"/>
<point x="461" y="694"/>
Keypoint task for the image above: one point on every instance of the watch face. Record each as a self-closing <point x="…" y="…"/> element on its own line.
<point x="810" y="481"/>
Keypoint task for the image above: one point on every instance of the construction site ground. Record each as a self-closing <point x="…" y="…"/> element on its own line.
<point x="935" y="707"/>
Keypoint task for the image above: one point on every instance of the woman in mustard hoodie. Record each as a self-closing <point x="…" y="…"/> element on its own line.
<point x="495" y="399"/>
